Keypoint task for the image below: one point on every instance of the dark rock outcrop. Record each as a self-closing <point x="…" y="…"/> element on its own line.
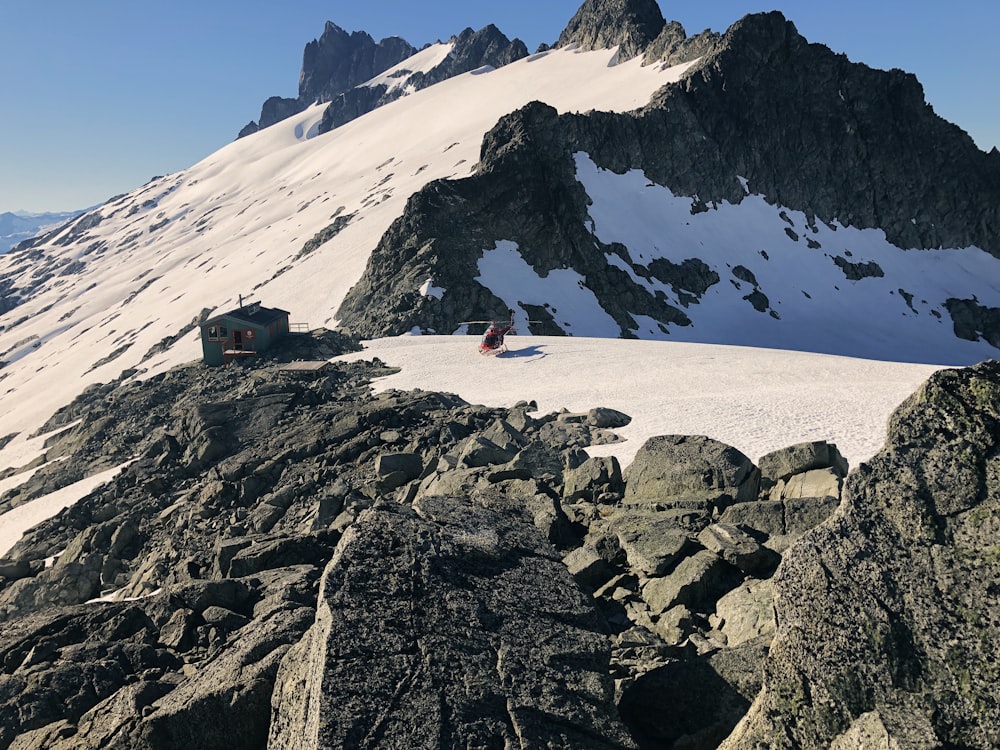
<point x="630" y="25"/>
<point x="432" y="601"/>
<point x="335" y="63"/>
<point x="883" y="630"/>
<point x="973" y="321"/>
<point x="338" y="61"/>
<point x="865" y="150"/>
<point x="524" y="192"/>
<point x="241" y="483"/>
<point x="313" y="565"/>
<point x="470" y="51"/>
<point x="806" y="127"/>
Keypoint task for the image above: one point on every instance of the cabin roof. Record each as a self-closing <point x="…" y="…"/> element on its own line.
<point x="254" y="314"/>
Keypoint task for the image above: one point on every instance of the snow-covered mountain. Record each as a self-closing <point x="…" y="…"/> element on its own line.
<point x="572" y="211"/>
<point x="630" y="542"/>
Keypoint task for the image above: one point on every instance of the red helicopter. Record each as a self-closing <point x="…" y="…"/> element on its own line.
<point x="493" y="340"/>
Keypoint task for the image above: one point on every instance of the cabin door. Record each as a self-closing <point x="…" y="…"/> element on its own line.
<point x="237" y="339"/>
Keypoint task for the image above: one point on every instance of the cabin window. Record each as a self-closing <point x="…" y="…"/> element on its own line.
<point x="218" y="333"/>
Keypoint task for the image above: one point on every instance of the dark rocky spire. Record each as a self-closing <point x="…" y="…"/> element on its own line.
<point x="602" y="24"/>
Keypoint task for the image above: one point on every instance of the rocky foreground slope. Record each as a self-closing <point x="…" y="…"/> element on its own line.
<point x="293" y="562"/>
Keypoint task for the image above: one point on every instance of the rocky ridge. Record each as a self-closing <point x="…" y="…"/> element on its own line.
<point x="720" y="123"/>
<point x="272" y="533"/>
<point x="471" y="50"/>
<point x="332" y="64"/>
<point x="630" y="25"/>
<point x="869" y="152"/>
<point x="336" y="66"/>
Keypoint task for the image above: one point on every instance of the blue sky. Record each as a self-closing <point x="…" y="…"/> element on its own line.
<point x="99" y="96"/>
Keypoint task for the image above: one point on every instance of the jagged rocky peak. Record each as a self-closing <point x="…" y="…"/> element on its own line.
<point x="631" y="25"/>
<point x="334" y="63"/>
<point x="471" y="50"/>
<point x="338" y="61"/>
<point x="673" y="46"/>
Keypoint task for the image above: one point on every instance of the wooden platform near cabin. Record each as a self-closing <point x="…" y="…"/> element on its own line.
<point x="305" y="367"/>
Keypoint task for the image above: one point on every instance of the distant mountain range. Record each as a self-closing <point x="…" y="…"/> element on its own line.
<point x="15" y="227"/>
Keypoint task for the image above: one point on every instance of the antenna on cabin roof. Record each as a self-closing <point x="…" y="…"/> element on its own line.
<point x="241" y="301"/>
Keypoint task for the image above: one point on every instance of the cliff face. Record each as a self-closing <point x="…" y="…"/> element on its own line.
<point x="814" y="131"/>
<point x="338" y="61"/>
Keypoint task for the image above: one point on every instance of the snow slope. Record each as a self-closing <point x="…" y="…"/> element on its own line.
<point x="757" y="400"/>
<point x="236" y="223"/>
<point x="423" y="62"/>
<point x="789" y="262"/>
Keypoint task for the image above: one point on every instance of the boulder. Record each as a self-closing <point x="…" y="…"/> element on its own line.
<point x="738" y="549"/>
<point x="564" y="434"/>
<point x="224" y="619"/>
<point x="396" y="469"/>
<point x="545" y="510"/>
<point x="178" y="632"/>
<point x="766" y="517"/>
<point x="542" y="461"/>
<point x="596" y="477"/>
<point x="812" y="483"/>
<point x="697" y="582"/>
<point x="505" y="435"/>
<point x="800" y="458"/>
<point x="478" y="452"/>
<point x="605" y="418"/>
<point x="747" y="612"/>
<point x="282" y="551"/>
<point x="72" y="583"/>
<point x="14" y="569"/>
<point x="652" y="542"/>
<point x="589" y="567"/>
<point x="432" y="601"/>
<point x="689" y="471"/>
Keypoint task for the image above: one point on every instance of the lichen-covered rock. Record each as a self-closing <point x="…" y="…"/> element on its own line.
<point x="597" y="476"/>
<point x="653" y="542"/>
<point x="747" y="612"/>
<point x="689" y="471"/>
<point x="817" y="483"/>
<point x="697" y="582"/>
<point x="453" y="624"/>
<point x="738" y="548"/>
<point x="885" y="638"/>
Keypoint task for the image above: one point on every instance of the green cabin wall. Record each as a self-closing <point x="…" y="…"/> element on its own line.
<point x="212" y="351"/>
